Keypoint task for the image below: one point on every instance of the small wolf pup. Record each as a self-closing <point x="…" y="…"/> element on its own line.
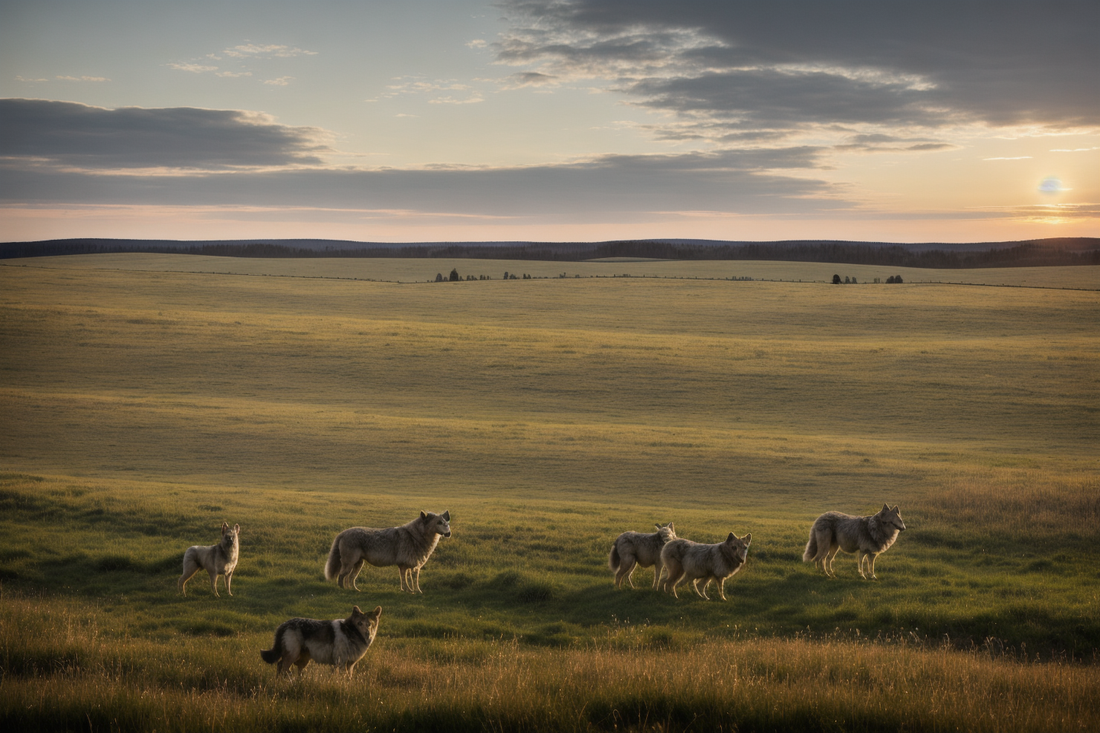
<point x="219" y="559"/>
<point x="687" y="560"/>
<point x="633" y="549"/>
<point x="869" y="536"/>
<point x="408" y="547"/>
<point x="341" y="642"/>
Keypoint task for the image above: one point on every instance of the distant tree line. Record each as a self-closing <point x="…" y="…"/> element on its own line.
<point x="1032" y="253"/>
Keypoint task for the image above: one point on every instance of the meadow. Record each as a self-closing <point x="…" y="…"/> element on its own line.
<point x="144" y="399"/>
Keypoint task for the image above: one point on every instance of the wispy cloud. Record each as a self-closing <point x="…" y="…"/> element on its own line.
<point x="719" y="67"/>
<point x="83" y="78"/>
<point x="192" y="68"/>
<point x="266" y="51"/>
<point x="282" y="81"/>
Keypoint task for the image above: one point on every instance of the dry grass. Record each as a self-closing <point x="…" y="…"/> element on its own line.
<point x="85" y="678"/>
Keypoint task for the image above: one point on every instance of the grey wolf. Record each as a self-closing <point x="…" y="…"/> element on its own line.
<point x="408" y="547"/>
<point x="633" y="549"/>
<point x="869" y="536"/>
<point x="219" y="559"/>
<point x="341" y="642"/>
<point x="687" y="560"/>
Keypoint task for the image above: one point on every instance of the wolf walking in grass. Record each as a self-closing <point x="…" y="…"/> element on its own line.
<point x="870" y="536"/>
<point x="633" y="549"/>
<point x="408" y="547"/>
<point x="219" y="559"/>
<point x="686" y="560"/>
<point x="341" y="642"/>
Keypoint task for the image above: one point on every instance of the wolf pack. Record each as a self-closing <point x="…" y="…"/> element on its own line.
<point x="675" y="560"/>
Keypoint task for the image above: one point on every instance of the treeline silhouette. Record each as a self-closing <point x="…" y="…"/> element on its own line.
<point x="1029" y="253"/>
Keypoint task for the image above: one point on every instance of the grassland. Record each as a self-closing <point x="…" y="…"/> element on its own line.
<point x="140" y="408"/>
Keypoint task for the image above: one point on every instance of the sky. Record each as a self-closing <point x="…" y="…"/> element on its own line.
<point x="550" y="120"/>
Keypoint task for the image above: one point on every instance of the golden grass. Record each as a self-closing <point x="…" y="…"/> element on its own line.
<point x="620" y="682"/>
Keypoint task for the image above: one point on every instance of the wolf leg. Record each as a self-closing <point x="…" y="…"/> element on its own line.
<point x="188" y="573"/>
<point x="862" y="558"/>
<point x="722" y="589"/>
<point x="228" y="580"/>
<point x="703" y="593"/>
<point x="214" y="581"/>
<point x="828" y="562"/>
<point x="657" y="569"/>
<point x="353" y="575"/>
<point x="416" y="581"/>
<point x="871" y="564"/>
<point x="626" y="570"/>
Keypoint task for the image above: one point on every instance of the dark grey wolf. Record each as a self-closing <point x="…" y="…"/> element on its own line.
<point x="341" y="642"/>
<point x="633" y="549"/>
<point x="687" y="560"/>
<point x="869" y="536"/>
<point x="408" y="547"/>
<point x="219" y="559"/>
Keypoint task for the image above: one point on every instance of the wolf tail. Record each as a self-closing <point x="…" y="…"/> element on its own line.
<point x="272" y="655"/>
<point x="811" y="548"/>
<point x="613" y="560"/>
<point x="332" y="567"/>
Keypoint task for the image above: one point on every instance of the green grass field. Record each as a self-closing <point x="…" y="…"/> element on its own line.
<point x="141" y="406"/>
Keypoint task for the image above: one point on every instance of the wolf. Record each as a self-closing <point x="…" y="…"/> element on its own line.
<point x="869" y="536"/>
<point x="408" y="547"/>
<point x="632" y="549"/>
<point x="687" y="560"/>
<point x="219" y="559"/>
<point x="341" y="642"/>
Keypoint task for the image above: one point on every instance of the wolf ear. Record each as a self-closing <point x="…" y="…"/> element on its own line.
<point x="377" y="612"/>
<point x="237" y="528"/>
<point x="896" y="510"/>
<point x="356" y="611"/>
<point x="731" y="538"/>
<point x="885" y="507"/>
<point x="671" y="526"/>
<point x="423" y="515"/>
<point x="225" y="527"/>
<point x="447" y="515"/>
<point x="747" y="539"/>
<point x="658" y="526"/>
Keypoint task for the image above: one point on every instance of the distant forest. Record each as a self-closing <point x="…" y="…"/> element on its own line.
<point x="1030" y="253"/>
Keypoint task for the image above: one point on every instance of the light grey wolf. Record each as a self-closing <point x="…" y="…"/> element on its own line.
<point x="687" y="560"/>
<point x="219" y="559"/>
<point x="408" y="547"/>
<point x="633" y="549"/>
<point x="341" y="642"/>
<point x="869" y="536"/>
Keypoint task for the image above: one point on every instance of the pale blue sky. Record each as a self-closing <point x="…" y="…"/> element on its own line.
<point x="544" y="120"/>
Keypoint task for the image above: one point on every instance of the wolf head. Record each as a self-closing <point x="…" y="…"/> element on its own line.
<point x="739" y="545"/>
<point x="229" y="536"/>
<point x="366" y="623"/>
<point x="667" y="533"/>
<point x="891" y="517"/>
<point x="438" y="523"/>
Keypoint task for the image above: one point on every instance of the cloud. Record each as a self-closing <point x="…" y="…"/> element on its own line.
<point x="67" y="153"/>
<point x="282" y="81"/>
<point x="69" y="135"/>
<point x="529" y="79"/>
<point x="83" y="78"/>
<point x="810" y="66"/>
<point x="192" y="68"/>
<point x="268" y="51"/>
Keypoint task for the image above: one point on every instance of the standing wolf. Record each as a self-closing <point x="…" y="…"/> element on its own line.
<point x="687" y="560"/>
<point x="219" y="559"/>
<point x="341" y="642"/>
<point x="869" y="536"/>
<point x="632" y="549"/>
<point x="408" y="547"/>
